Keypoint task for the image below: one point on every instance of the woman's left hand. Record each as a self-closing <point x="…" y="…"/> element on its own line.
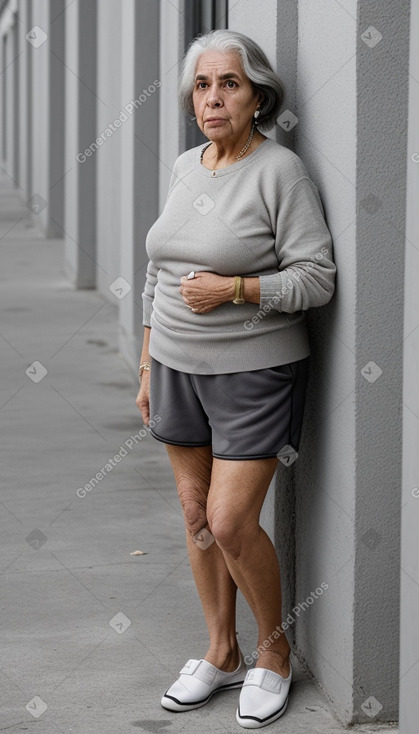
<point x="206" y="291"/>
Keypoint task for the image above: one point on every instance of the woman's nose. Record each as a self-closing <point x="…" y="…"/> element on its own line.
<point x="213" y="97"/>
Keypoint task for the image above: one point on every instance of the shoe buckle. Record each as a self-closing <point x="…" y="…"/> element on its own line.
<point x="190" y="667"/>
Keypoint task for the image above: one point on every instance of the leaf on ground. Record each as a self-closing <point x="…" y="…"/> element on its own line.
<point x="138" y="553"/>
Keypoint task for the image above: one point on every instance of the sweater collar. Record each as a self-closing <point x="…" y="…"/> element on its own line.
<point x="233" y="167"/>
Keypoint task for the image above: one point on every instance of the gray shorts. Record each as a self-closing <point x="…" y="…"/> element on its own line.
<point x="241" y="415"/>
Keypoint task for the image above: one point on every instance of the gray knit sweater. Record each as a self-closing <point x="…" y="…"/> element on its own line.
<point x="261" y="216"/>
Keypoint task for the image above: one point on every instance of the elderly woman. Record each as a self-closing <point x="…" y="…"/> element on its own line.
<point x="238" y="254"/>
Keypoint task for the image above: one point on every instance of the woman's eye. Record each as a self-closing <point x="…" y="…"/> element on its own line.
<point x="201" y="85"/>
<point x="233" y="84"/>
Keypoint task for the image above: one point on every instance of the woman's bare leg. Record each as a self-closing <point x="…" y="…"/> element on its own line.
<point x="192" y="469"/>
<point x="235" y="498"/>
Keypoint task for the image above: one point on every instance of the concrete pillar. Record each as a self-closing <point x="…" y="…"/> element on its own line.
<point x="171" y="53"/>
<point x="349" y="475"/>
<point x="108" y="155"/>
<point x="15" y="94"/>
<point x="382" y="100"/>
<point x="3" y="92"/>
<point x="25" y="98"/>
<point x="140" y="163"/>
<point x="81" y="142"/>
<point x="325" y="474"/>
<point x="11" y="93"/>
<point x="46" y="36"/>
<point x="409" y="591"/>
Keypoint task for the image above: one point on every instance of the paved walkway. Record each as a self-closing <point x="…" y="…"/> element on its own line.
<point x="92" y="635"/>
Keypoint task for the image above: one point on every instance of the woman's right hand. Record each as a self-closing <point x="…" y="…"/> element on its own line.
<point x="143" y="397"/>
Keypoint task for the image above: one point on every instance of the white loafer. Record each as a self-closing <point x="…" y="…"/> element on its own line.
<point x="263" y="698"/>
<point x="198" y="681"/>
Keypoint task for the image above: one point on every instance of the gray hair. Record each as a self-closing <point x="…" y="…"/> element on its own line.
<point x="255" y="65"/>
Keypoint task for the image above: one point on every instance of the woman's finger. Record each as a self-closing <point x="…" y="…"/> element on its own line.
<point x="143" y="404"/>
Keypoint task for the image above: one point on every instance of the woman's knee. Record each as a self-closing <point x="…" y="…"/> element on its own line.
<point x="231" y="531"/>
<point x="194" y="505"/>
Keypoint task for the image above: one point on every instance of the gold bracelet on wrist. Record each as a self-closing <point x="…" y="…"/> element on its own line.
<point x="143" y="366"/>
<point x="238" y="290"/>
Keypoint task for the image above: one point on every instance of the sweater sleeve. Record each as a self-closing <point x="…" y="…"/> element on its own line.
<point x="151" y="275"/>
<point x="148" y="293"/>
<point x="303" y="246"/>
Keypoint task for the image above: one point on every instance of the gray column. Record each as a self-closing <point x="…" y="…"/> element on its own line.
<point x="46" y="36"/>
<point x="108" y="155"/>
<point x="3" y="92"/>
<point x="140" y="163"/>
<point x="25" y="98"/>
<point x="409" y="590"/>
<point x="322" y="618"/>
<point x="171" y="42"/>
<point x="81" y="142"/>
<point x="15" y="101"/>
<point x="382" y="96"/>
<point x="11" y="97"/>
<point x="348" y="479"/>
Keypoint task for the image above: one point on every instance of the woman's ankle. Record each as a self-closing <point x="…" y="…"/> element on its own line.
<point x="226" y="659"/>
<point x="276" y="661"/>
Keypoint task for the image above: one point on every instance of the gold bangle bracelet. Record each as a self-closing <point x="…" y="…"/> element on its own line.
<point x="238" y="290"/>
<point x="143" y="366"/>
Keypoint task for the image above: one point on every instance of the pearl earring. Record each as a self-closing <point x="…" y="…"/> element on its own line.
<point x="256" y="114"/>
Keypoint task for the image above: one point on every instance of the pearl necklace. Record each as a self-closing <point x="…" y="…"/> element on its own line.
<point x="243" y="150"/>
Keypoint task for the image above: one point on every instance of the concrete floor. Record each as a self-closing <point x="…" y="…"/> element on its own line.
<point x="92" y="635"/>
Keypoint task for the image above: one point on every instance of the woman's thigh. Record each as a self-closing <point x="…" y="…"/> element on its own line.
<point x="237" y="491"/>
<point x="192" y="464"/>
<point x="192" y="470"/>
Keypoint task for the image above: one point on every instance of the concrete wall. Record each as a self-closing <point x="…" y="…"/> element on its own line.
<point x="409" y="593"/>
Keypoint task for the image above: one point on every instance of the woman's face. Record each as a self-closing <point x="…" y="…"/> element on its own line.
<point x="223" y="97"/>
